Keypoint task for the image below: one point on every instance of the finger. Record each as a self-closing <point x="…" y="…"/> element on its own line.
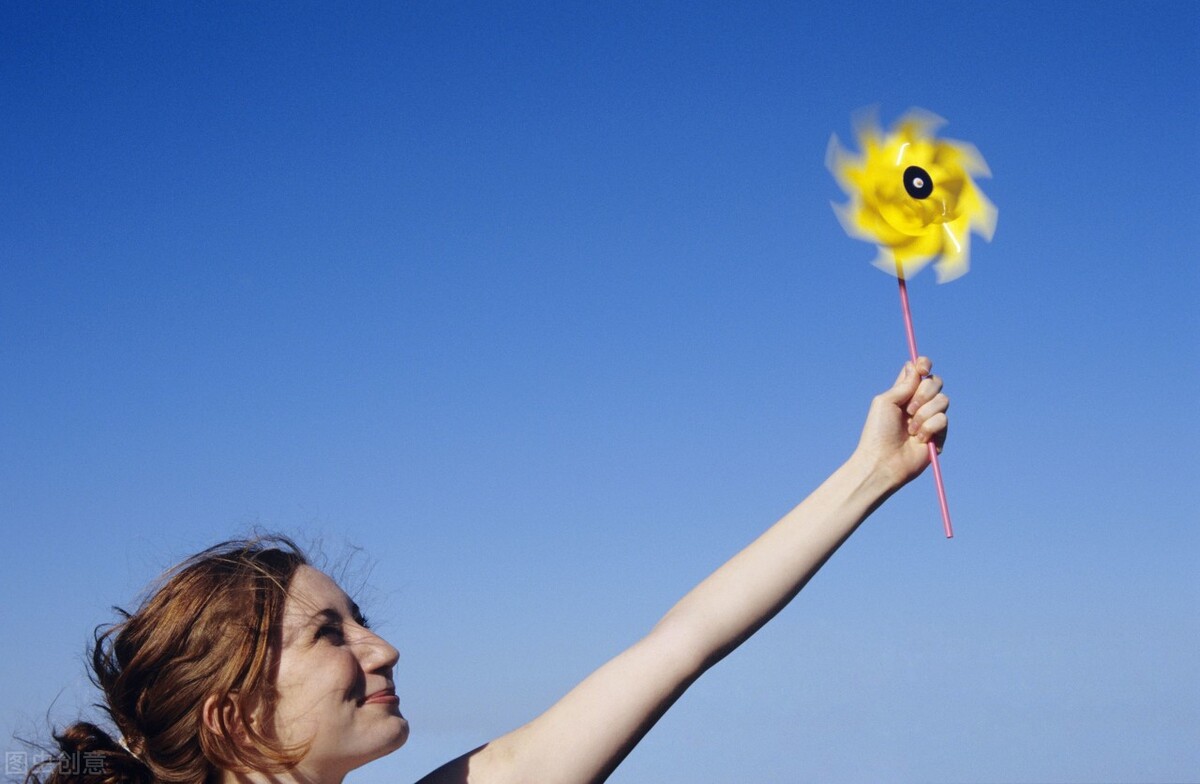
<point x="938" y="405"/>
<point x="934" y="429"/>
<point x="926" y="390"/>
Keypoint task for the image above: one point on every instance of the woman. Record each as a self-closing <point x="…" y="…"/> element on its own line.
<point x="246" y="664"/>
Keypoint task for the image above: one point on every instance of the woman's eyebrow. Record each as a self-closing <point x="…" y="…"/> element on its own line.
<point x="328" y="615"/>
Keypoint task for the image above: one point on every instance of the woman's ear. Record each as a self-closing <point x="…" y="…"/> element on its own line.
<point x="222" y="716"/>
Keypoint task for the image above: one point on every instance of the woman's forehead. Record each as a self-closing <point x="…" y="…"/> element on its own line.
<point x="312" y="591"/>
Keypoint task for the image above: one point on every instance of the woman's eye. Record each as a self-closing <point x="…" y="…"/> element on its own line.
<point x="331" y="632"/>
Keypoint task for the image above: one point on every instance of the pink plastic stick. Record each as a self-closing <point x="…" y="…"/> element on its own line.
<point x="933" y="453"/>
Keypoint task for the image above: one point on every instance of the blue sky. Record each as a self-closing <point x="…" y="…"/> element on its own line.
<point x="544" y="307"/>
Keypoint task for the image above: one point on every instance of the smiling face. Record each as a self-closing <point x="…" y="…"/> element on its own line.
<point x="334" y="684"/>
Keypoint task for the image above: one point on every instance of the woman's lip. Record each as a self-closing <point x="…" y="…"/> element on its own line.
<point x="383" y="697"/>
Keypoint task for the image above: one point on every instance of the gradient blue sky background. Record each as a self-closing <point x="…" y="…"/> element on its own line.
<point x="545" y="308"/>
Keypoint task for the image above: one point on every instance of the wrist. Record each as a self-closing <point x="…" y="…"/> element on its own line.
<point x="872" y="475"/>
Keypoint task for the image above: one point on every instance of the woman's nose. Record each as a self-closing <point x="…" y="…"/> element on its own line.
<point x="378" y="652"/>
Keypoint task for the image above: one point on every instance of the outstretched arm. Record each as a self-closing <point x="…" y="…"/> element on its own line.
<point x="586" y="734"/>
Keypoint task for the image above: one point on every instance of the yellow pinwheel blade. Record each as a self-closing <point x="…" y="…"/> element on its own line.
<point x="913" y="195"/>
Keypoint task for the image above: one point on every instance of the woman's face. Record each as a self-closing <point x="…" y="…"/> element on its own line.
<point x="335" y="682"/>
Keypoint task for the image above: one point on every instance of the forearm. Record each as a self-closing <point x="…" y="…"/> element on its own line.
<point x="747" y="591"/>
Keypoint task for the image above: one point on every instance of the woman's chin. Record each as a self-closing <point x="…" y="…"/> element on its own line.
<point x="398" y="739"/>
<point x="403" y="735"/>
<point x="394" y="741"/>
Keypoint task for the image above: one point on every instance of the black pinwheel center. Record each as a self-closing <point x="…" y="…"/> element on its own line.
<point x="917" y="182"/>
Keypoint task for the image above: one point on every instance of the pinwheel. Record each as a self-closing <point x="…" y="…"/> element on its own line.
<point x="913" y="195"/>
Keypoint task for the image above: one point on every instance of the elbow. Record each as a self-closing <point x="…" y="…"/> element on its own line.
<point x="681" y="647"/>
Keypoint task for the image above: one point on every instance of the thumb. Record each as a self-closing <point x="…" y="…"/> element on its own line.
<point x="904" y="386"/>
